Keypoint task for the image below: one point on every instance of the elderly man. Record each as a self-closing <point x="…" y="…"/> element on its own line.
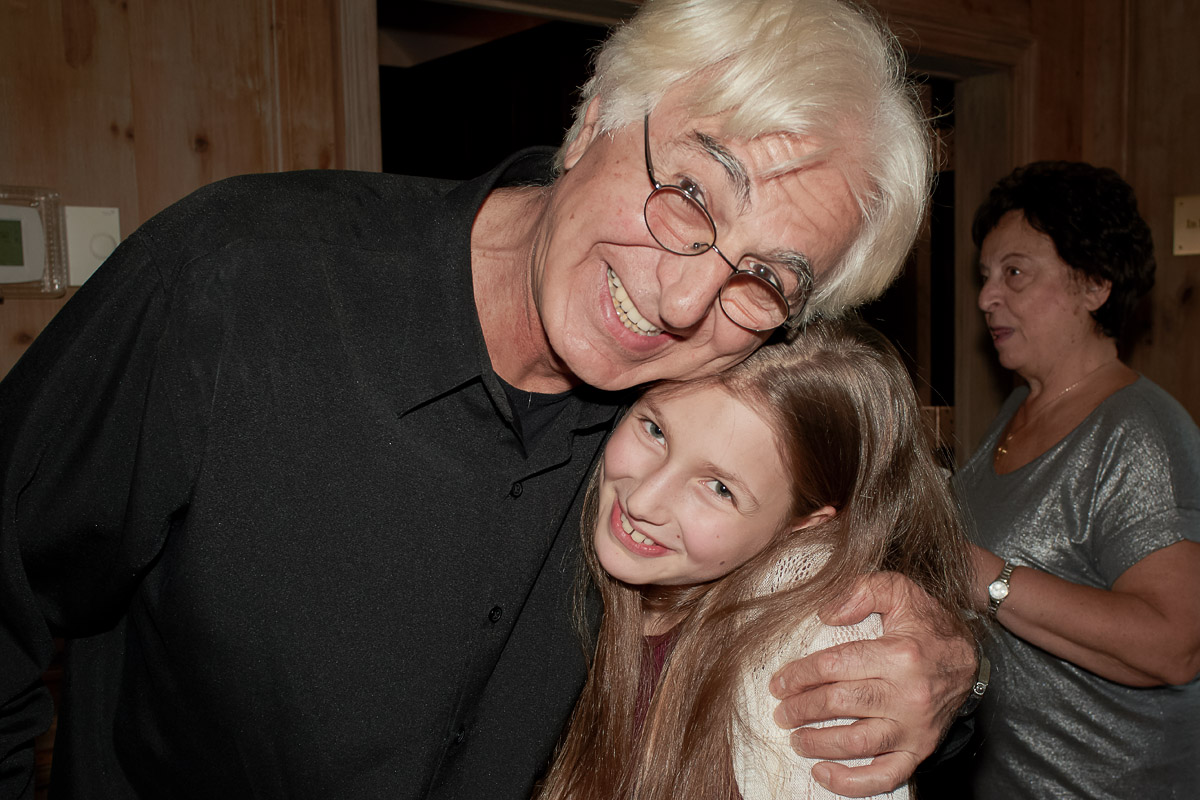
<point x="297" y="473"/>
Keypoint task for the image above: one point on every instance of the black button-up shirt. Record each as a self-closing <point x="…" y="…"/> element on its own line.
<point x="262" y="474"/>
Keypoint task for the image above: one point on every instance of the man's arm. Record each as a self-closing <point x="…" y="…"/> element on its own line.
<point x="904" y="688"/>
<point x="78" y="463"/>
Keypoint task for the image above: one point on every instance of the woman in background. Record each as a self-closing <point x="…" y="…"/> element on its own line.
<point x="1085" y="499"/>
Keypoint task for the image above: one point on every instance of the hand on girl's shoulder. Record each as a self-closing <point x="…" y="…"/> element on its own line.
<point x="764" y="763"/>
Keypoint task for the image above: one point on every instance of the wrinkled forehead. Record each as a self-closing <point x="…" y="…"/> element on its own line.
<point x="789" y="137"/>
<point x="760" y="161"/>
<point x="776" y="151"/>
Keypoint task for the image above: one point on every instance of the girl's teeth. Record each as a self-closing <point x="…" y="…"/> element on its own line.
<point x="635" y="534"/>
<point x="627" y="311"/>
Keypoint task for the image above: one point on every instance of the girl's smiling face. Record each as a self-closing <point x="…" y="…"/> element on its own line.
<point x="692" y="487"/>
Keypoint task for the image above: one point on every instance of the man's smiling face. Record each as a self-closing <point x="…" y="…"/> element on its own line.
<point x="619" y="310"/>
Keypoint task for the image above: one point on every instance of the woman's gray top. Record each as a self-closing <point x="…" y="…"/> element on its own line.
<point x="1123" y="484"/>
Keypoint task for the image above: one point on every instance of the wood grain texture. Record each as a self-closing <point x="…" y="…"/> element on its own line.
<point x="983" y="152"/>
<point x="204" y="86"/>
<point x="1163" y="163"/>
<point x="134" y="105"/>
<point x="66" y="111"/>
<point x="1059" y="75"/>
<point x="965" y="15"/>
<point x="1106" y="75"/>
<point x="358" y="89"/>
<point x="991" y="51"/>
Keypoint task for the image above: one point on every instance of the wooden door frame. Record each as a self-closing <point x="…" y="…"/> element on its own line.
<point x="994" y="69"/>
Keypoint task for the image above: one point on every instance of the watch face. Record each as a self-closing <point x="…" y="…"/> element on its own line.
<point x="997" y="590"/>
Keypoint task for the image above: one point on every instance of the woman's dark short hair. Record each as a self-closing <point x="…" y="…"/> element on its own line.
<point x="1091" y="215"/>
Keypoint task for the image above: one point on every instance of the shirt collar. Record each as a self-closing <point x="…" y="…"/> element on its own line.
<point x="450" y="353"/>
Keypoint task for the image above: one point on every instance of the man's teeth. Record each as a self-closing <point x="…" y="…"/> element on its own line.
<point x="626" y="310"/>
<point x="635" y="534"/>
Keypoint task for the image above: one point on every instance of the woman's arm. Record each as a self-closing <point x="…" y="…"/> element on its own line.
<point x="1145" y="631"/>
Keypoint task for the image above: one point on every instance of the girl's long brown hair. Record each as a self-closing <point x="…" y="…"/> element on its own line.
<point x="852" y="437"/>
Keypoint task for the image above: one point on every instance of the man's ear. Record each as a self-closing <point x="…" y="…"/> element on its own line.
<point x="823" y="514"/>
<point x="579" y="145"/>
<point x="1095" y="293"/>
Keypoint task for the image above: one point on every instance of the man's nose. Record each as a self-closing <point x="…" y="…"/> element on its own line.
<point x="689" y="286"/>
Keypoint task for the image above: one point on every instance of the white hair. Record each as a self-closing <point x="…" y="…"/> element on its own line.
<point x="821" y="70"/>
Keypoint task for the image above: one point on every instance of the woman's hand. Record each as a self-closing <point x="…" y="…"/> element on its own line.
<point x="1145" y="631"/>
<point x="903" y="688"/>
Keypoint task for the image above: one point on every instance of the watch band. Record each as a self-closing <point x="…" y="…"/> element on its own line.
<point x="982" y="678"/>
<point x="998" y="589"/>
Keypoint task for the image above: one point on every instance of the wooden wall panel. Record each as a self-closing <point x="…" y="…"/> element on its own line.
<point x="1059" y="69"/>
<point x="1113" y="82"/>
<point x="134" y="105"/>
<point x="992" y="55"/>
<point x="1105" y="78"/>
<point x="303" y="62"/>
<point x="983" y="147"/>
<point x="1163" y="163"/>
<point x="66" y="122"/>
<point x="66" y="111"/>
<point x="977" y="15"/>
<point x="358" y="113"/>
<point x="1082" y="90"/>
<point x="208" y="99"/>
<point x="193" y="120"/>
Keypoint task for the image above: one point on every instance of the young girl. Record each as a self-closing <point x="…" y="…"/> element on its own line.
<point x="725" y="512"/>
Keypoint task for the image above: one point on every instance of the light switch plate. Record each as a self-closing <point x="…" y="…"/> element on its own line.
<point x="1187" y="225"/>
<point x="92" y="233"/>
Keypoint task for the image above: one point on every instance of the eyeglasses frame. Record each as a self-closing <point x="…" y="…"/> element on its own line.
<point x="736" y="270"/>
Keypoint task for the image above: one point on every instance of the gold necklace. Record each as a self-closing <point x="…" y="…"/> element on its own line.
<point x="1002" y="447"/>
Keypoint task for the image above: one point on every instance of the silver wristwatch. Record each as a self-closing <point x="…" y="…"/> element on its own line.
<point x="998" y="589"/>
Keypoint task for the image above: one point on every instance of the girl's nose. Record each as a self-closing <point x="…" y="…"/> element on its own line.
<point x="649" y="501"/>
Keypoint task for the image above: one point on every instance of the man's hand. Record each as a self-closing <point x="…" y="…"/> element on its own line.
<point x="903" y="688"/>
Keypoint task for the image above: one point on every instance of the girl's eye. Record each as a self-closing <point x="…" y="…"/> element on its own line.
<point x="719" y="489"/>
<point x="651" y="428"/>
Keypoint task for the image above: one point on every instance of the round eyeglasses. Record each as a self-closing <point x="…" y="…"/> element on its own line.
<point x="752" y="296"/>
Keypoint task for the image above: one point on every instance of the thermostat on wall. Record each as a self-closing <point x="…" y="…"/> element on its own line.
<point x="32" y="263"/>
<point x="1187" y="225"/>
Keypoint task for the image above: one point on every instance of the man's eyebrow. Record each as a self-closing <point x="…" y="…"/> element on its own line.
<point x="739" y="176"/>
<point x="793" y="260"/>
<point x="799" y="265"/>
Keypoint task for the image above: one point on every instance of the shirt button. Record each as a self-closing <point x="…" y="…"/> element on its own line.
<point x="516" y="490"/>
<point x="496" y="613"/>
